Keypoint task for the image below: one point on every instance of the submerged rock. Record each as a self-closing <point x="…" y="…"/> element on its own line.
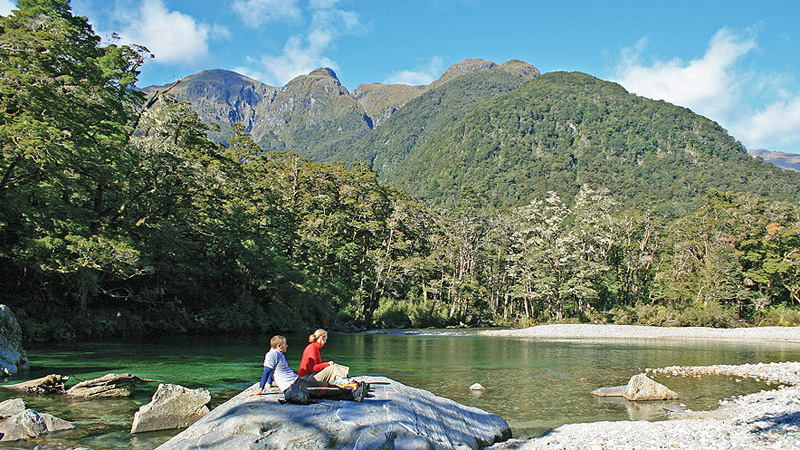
<point x="30" y="424"/>
<point x="12" y="356"/>
<point x="172" y="407"/>
<point x="640" y="387"/>
<point x="614" y="391"/>
<point x="393" y="416"/>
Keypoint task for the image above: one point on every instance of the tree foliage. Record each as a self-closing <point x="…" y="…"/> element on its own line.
<point x="120" y="218"/>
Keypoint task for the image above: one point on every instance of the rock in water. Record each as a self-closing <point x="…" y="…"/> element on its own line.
<point x="29" y="425"/>
<point x="172" y="407"/>
<point x="640" y="387"/>
<point x="12" y="356"/>
<point x="477" y="387"/>
<point x="394" y="416"/>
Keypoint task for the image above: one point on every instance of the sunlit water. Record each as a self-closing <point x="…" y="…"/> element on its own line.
<point x="533" y="384"/>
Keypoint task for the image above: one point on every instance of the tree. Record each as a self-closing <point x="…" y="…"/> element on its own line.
<point x="67" y="109"/>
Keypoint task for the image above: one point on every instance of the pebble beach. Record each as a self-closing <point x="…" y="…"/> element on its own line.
<point x="769" y="419"/>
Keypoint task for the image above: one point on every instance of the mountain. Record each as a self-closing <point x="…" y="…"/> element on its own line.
<point x="504" y="132"/>
<point x="312" y="115"/>
<point x="789" y="161"/>
<point x="563" y="130"/>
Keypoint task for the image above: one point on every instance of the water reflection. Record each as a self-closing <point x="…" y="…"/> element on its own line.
<point x="533" y="384"/>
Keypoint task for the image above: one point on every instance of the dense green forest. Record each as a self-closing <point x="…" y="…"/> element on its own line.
<point x="564" y="130"/>
<point x="120" y="217"/>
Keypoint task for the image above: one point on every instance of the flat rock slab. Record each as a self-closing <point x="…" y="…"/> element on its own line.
<point x="394" y="416"/>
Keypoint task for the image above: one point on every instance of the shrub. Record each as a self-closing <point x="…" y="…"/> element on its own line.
<point x="778" y="316"/>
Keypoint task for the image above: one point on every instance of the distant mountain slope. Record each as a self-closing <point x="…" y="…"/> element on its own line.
<point x="562" y="130"/>
<point x="221" y="96"/>
<point x="422" y="118"/>
<point x="380" y="101"/>
<point x="312" y="115"/>
<point x="789" y="161"/>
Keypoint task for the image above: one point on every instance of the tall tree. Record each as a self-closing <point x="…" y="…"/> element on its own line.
<point x="67" y="109"/>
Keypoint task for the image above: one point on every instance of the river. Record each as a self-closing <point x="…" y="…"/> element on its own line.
<point x="533" y="384"/>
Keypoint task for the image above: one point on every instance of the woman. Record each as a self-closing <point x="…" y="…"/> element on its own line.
<point x="311" y="364"/>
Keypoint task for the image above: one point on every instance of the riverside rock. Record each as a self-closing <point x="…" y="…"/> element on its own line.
<point x="12" y="357"/>
<point x="172" y="407"/>
<point x="642" y="388"/>
<point x="30" y="424"/>
<point x="393" y="416"/>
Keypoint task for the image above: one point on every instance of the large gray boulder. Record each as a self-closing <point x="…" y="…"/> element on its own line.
<point x="394" y="416"/>
<point x="640" y="387"/>
<point x="30" y="424"/>
<point x="172" y="407"/>
<point x="12" y="357"/>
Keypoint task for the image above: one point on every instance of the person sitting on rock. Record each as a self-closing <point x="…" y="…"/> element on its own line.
<point x="311" y="362"/>
<point x="277" y="369"/>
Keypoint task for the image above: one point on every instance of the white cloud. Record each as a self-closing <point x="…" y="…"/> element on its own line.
<point x="424" y="74"/>
<point x="6" y="6"/>
<point x="255" y="13"/>
<point x="173" y="37"/>
<point x="706" y="85"/>
<point x="775" y="127"/>
<point x="303" y="53"/>
<point x="759" y="109"/>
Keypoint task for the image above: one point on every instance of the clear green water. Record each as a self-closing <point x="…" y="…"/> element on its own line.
<point x="533" y="384"/>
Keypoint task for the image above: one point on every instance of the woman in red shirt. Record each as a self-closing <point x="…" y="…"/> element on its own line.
<point x="311" y="363"/>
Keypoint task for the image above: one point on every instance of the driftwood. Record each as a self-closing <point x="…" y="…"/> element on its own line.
<point x="51" y="384"/>
<point x="107" y="386"/>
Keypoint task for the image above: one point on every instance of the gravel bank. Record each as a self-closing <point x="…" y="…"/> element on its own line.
<point x="592" y="331"/>
<point x="764" y="420"/>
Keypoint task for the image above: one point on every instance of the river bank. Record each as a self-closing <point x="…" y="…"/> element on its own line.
<point x="596" y="331"/>
<point x="766" y="419"/>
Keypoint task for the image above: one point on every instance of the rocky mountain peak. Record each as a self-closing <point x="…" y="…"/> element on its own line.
<point x="519" y="68"/>
<point x="465" y="66"/>
<point x="322" y="74"/>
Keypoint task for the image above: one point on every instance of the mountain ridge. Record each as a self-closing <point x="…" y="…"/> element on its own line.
<point x="511" y="134"/>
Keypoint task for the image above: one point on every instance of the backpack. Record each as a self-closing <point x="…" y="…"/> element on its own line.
<point x="298" y="395"/>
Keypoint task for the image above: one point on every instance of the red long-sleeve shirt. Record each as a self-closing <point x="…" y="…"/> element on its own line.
<point x="312" y="360"/>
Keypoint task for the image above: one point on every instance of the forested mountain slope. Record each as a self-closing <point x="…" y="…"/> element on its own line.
<point x="424" y="117"/>
<point x="564" y="130"/>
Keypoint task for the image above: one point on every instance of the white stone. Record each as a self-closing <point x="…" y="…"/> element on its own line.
<point x="640" y="387"/>
<point x="477" y="387"/>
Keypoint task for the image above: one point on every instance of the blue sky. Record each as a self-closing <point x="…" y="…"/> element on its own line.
<point x="736" y="62"/>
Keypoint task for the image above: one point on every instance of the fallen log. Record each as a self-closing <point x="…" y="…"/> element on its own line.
<point x="112" y="385"/>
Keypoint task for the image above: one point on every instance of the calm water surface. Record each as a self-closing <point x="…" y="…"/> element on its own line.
<point x="533" y="384"/>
